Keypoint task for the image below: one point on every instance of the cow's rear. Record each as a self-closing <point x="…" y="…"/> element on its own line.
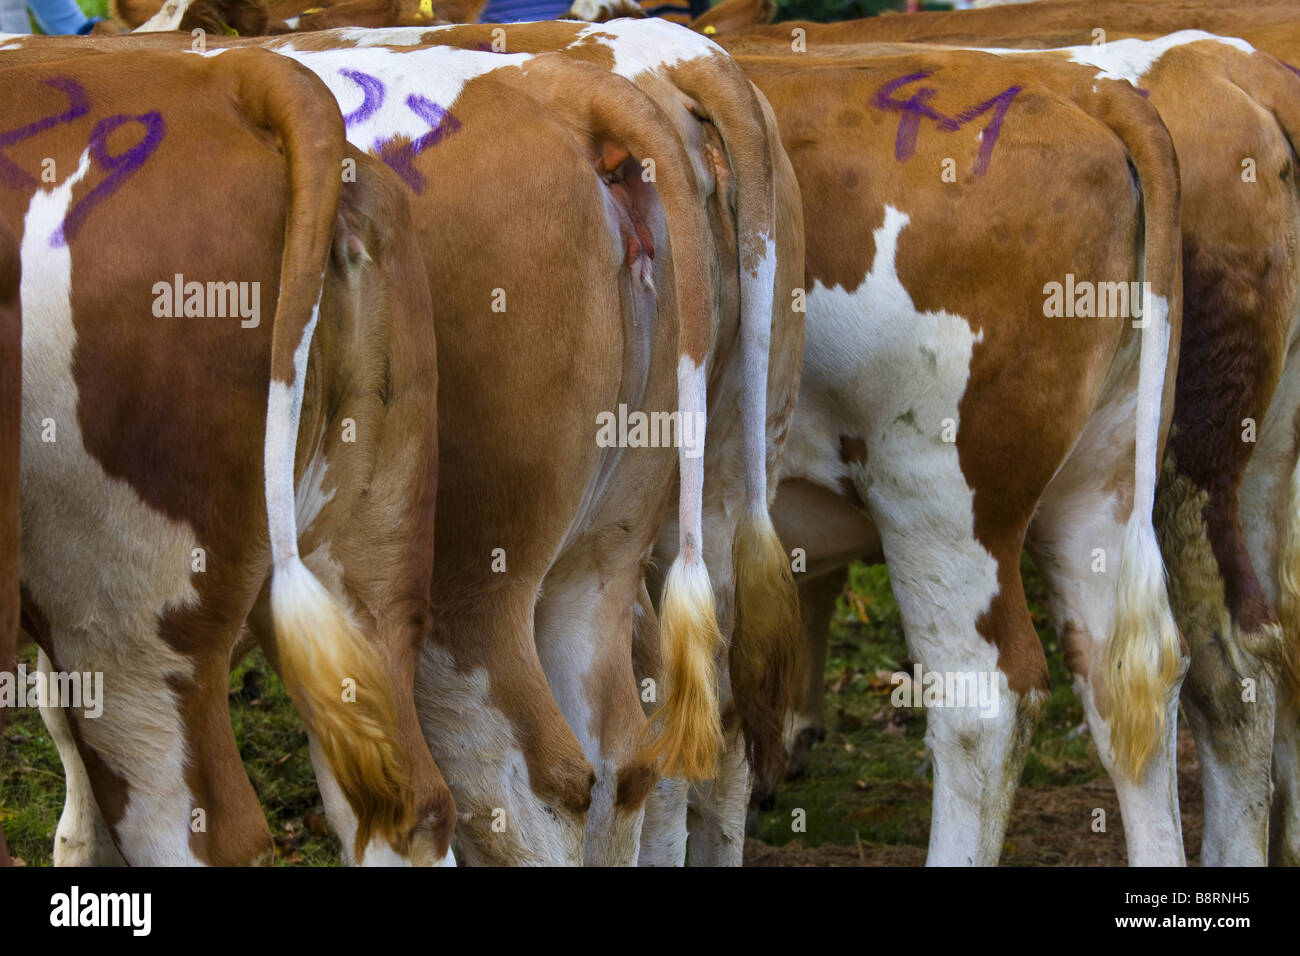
<point x="204" y="425"/>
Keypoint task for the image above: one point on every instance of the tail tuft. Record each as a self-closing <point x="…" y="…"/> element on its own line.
<point x="339" y="684"/>
<point x="1144" y="657"/>
<point x="687" y="727"/>
<point x="766" y="646"/>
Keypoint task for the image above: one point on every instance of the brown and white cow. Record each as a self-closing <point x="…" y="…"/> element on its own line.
<point x="545" y="531"/>
<point x="734" y="500"/>
<point x="182" y="474"/>
<point x="746" y="183"/>
<point x="1225" y="507"/>
<point x="944" y="401"/>
<point x="10" y="413"/>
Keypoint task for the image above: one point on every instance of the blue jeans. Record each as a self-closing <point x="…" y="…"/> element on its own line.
<point x="13" y="17"/>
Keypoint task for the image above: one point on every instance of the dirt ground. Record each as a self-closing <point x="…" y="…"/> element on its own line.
<point x="1045" y="828"/>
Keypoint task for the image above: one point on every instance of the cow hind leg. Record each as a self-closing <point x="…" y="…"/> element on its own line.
<point x="663" y="833"/>
<point x="1284" y="825"/>
<point x="519" y="777"/>
<point x="956" y="580"/>
<point x="1230" y="691"/>
<point x="162" y="762"/>
<point x="427" y="848"/>
<point x="1284" y="821"/>
<point x="1221" y="503"/>
<point x="663" y="829"/>
<point x="82" y="837"/>
<point x="1079" y="539"/>
<point x="584" y="641"/>
<point x="983" y="681"/>
<point x="716" y="817"/>
<point x="807" y="724"/>
<point x="1270" y="513"/>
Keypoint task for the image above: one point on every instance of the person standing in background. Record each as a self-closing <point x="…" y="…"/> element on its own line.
<point x="13" y="17"/>
<point x="55" y="17"/>
<point x="516" y="11"/>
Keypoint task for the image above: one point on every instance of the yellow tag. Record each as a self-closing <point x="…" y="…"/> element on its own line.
<point x="307" y="13"/>
<point x="426" y="9"/>
<point x="228" y="30"/>
<point x="710" y="30"/>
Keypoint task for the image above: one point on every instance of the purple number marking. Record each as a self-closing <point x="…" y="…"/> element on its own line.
<point x="78" y="105"/>
<point x="917" y="107"/>
<point x="119" y="166"/>
<point x="400" y="157"/>
<point x="373" y="96"/>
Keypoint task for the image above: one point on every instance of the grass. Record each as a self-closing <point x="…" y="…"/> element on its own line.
<point x="862" y="783"/>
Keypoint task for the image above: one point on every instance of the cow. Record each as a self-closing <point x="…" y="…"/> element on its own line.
<point x="545" y="529"/>
<point x="187" y="466"/>
<point x="934" y="359"/>
<point x="736" y="506"/>
<point x="10" y="414"/>
<point x="732" y="142"/>
<point x="1233" y="453"/>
